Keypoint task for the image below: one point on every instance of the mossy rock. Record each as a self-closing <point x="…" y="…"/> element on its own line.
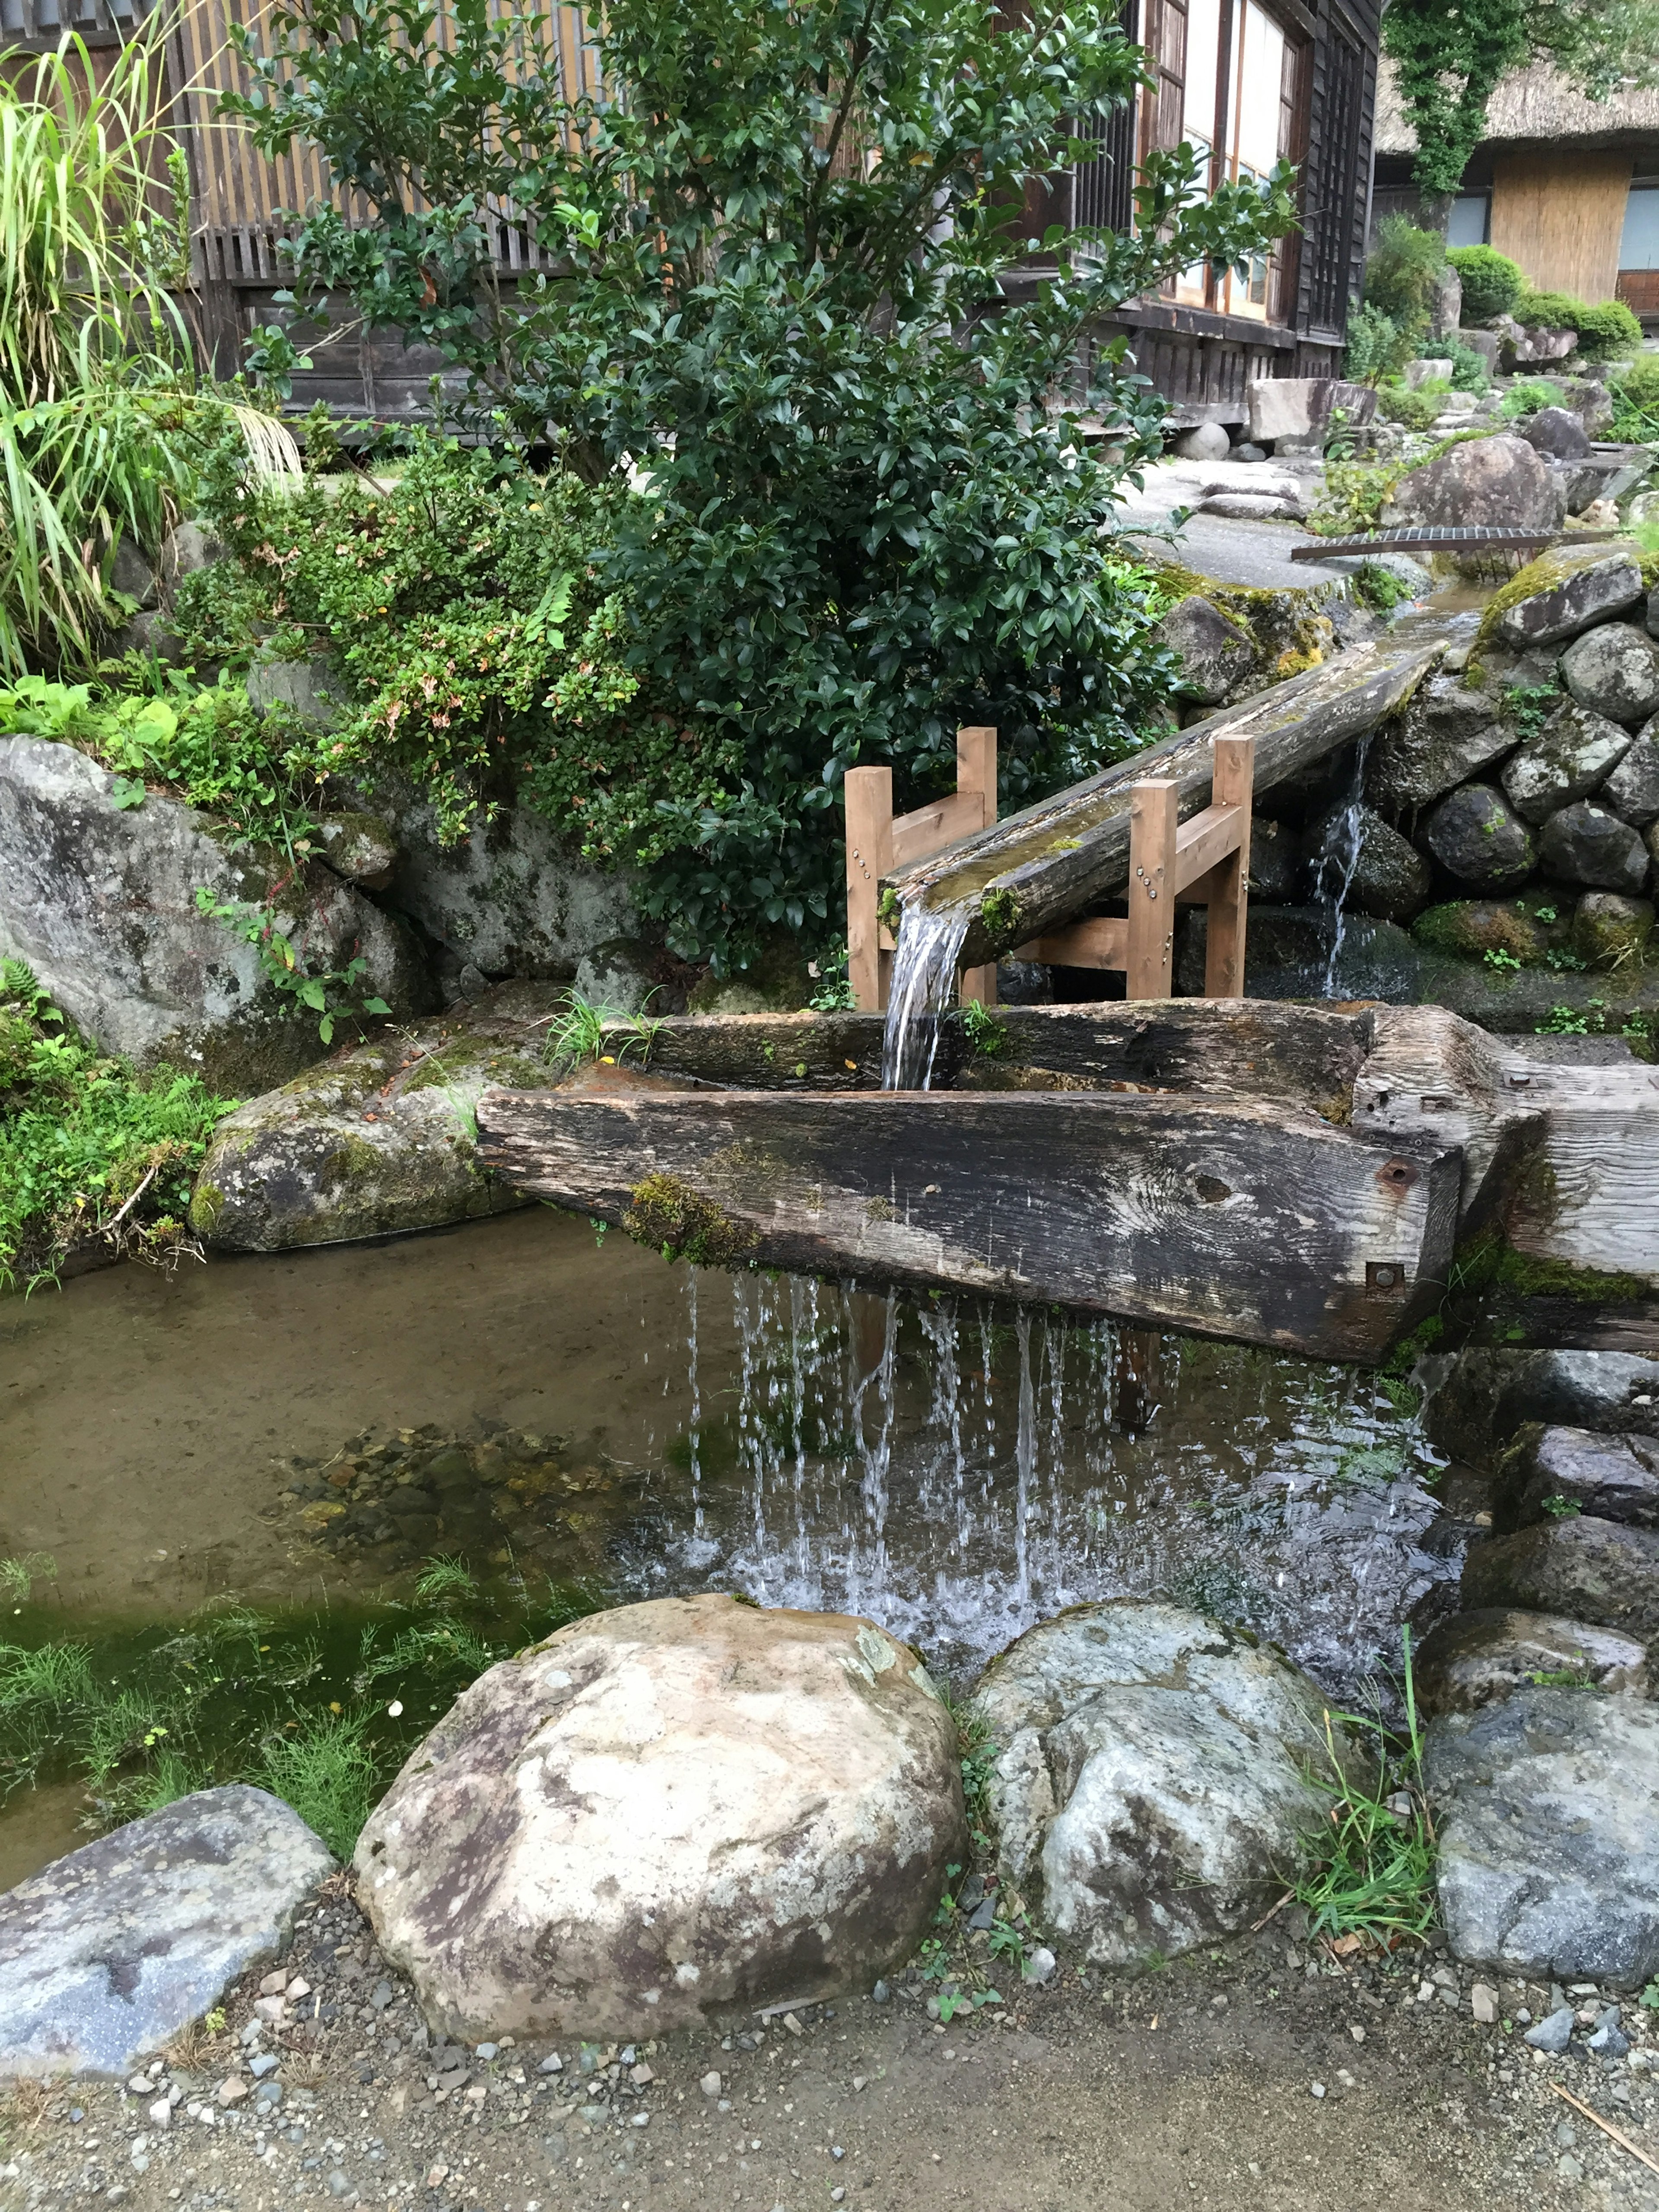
<point x="1498" y="931"/>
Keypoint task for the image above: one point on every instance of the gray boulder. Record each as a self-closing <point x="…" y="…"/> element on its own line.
<point x="1205" y="441"/>
<point x="665" y="1812"/>
<point x="1293" y="413"/>
<point x="1447" y="735"/>
<point x="1570" y="757"/>
<point x="1383" y="873"/>
<point x="1602" y="1571"/>
<point x="1275" y="862"/>
<point x="186" y="548"/>
<point x="1477" y="1400"/>
<point x="1485" y="343"/>
<point x="1474" y="1659"/>
<point x="100" y="900"/>
<point x="1556" y="433"/>
<point x="1153" y="1784"/>
<point x="1530" y="346"/>
<point x="377" y="1140"/>
<point x="1585" y="844"/>
<point x="131" y="574"/>
<point x="1446" y="302"/>
<point x="1632" y="791"/>
<point x="106" y="1955"/>
<point x="1549" y="1472"/>
<point x="1492" y="481"/>
<point x="1217" y="650"/>
<point x="313" y="690"/>
<point x="512" y="898"/>
<point x="1475" y="835"/>
<point x="1585" y="585"/>
<point x="624" y="975"/>
<point x="1290" y="951"/>
<point x="1546" y="1809"/>
<point x="1614" y="670"/>
<point x="1611" y="931"/>
<point x="361" y="847"/>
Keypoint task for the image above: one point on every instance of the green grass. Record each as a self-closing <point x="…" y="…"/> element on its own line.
<point x="1373" y="1872"/>
<point x="90" y="1149"/>
<point x="581" y="1030"/>
<point x="327" y="1771"/>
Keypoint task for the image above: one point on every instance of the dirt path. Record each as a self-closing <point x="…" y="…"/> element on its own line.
<point x="1191" y="2087"/>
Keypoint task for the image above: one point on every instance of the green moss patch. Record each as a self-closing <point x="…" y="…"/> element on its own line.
<point x="679" y="1222"/>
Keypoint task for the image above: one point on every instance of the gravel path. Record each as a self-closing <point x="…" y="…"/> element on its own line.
<point x="1256" y="553"/>
<point x="1249" y="2079"/>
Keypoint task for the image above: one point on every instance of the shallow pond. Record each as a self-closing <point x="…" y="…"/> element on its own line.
<point x="583" y="1424"/>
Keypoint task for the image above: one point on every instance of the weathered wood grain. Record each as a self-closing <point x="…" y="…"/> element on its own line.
<point x="1061" y="856"/>
<point x="1248" y="1222"/>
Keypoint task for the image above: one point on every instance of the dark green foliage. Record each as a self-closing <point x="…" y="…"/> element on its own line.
<point x="1401" y="272"/>
<point x="1492" y="282"/>
<point x="1530" y="395"/>
<point x="1469" y="372"/>
<point x="1416" y="410"/>
<point x="1608" y="329"/>
<point x="870" y="510"/>
<point x="89" y="1148"/>
<point x="1377" y="345"/>
<point x="1636" y="399"/>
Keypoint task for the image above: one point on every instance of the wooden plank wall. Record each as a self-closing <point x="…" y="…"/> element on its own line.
<point x="1560" y="212"/>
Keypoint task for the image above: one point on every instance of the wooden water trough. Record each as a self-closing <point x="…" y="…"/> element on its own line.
<point x="1299" y="1177"/>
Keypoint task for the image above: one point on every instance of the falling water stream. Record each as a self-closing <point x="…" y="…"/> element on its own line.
<point x="1337" y="863"/>
<point x="923" y="988"/>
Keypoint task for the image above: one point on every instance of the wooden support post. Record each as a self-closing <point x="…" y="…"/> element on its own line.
<point x="977" y="773"/>
<point x="869" y="800"/>
<point x="1152" y="825"/>
<point x="1231" y="785"/>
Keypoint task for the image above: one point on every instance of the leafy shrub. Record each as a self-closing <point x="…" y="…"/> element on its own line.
<point x="1402" y="272"/>
<point x="1492" y="282"/>
<point x="1469" y="370"/>
<point x="1416" y="410"/>
<point x="1530" y="396"/>
<point x="1376" y="346"/>
<point x="89" y="1148"/>
<point x="1607" y="331"/>
<point x="1548" y="311"/>
<point x="1636" y="398"/>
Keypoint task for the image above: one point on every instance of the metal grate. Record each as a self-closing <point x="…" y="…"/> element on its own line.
<point x="1442" y="537"/>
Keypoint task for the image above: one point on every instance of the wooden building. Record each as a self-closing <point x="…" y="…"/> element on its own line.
<point x="1567" y="186"/>
<point x="1250" y="82"/>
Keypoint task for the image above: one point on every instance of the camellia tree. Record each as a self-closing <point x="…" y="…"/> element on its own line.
<point x="879" y="494"/>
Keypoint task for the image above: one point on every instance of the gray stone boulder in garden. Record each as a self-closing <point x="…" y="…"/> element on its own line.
<point x="311" y="690"/>
<point x="1631" y="792"/>
<point x="1576" y="587"/>
<point x="360" y="847"/>
<point x="1474" y="1659"/>
<point x="1550" y="1471"/>
<point x="1384" y="874"/>
<point x="1610" y="930"/>
<point x="1447" y="735"/>
<point x="1601" y="1571"/>
<point x="623" y="975"/>
<point x="1205" y="441"/>
<point x="1480" y="1397"/>
<point x="376" y="1140"/>
<point x="106" y="1955"/>
<point x="1217" y="652"/>
<point x="1546" y="1813"/>
<point x="1568" y="759"/>
<point x="1585" y="844"/>
<point x="664" y="1813"/>
<point x="1275" y="861"/>
<point x="1475" y="835"/>
<point x="1154" y="1779"/>
<point x="1558" y="433"/>
<point x="1614" y="670"/>
<point x="98" y="895"/>
<point x="1491" y="481"/>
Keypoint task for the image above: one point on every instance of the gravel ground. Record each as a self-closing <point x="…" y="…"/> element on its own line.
<point x="1250" y="2078"/>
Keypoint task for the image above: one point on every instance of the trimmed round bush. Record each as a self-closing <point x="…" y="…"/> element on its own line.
<point x="1608" y="329"/>
<point x="1492" y="282"/>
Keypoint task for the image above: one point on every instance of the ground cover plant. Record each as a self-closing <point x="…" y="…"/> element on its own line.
<point x="868" y="504"/>
<point x="92" y="1151"/>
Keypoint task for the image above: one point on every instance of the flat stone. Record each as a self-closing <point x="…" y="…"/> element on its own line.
<point x="1632" y="791"/>
<point x="1583" y="1568"/>
<point x="1292" y="410"/>
<point x="1152" y="1783"/>
<point x="1569" y="758"/>
<point x="1249" y="507"/>
<point x="663" y="1811"/>
<point x="1546" y="1809"/>
<point x="1472" y="1659"/>
<point x="106" y="1955"/>
<point x="1613" y="669"/>
<point x="1448" y="733"/>
<point x="1585" y="844"/>
<point x="1585" y="586"/>
<point x="1554" y="2033"/>
<point x="1475" y="834"/>
<point x="1496" y="481"/>
<point x="1615" y="1478"/>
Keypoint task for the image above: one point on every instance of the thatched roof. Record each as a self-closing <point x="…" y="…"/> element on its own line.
<point x="1535" y="105"/>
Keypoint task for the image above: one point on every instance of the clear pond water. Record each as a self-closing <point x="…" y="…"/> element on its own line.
<point x="303" y="1431"/>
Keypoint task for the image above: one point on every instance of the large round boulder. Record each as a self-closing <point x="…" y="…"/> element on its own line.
<point x="1568" y="759"/>
<point x="665" y="1812"/>
<point x="1497" y="482"/>
<point x="1614" y="670"/>
<point x="1565" y="591"/>
<point x="1155" y="1775"/>
<point x="1216" y="650"/>
<point x="1631" y="792"/>
<point x="1477" y="836"/>
<point x="1585" y="844"/>
<point x="1353" y="854"/>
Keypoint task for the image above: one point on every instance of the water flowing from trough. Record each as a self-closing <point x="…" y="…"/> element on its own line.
<point x="1337" y="863"/>
<point x="923" y="990"/>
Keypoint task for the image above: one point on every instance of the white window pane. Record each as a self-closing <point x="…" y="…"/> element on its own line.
<point x="1639" y="246"/>
<point x="1203" y="61"/>
<point x="1262" y="63"/>
<point x="1467" y="225"/>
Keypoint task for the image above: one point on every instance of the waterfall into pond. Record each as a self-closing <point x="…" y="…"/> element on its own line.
<point x="923" y="990"/>
<point x="1337" y="863"/>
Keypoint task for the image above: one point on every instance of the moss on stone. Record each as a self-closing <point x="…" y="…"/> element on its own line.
<point x="1546" y="574"/>
<point x="1488" y="1263"/>
<point x="998" y="910"/>
<point x="671" y="1217"/>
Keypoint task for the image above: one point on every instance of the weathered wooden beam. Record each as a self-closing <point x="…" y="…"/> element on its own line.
<point x="1044" y="867"/>
<point x="1262" y="1050"/>
<point x="1244" y="1222"/>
